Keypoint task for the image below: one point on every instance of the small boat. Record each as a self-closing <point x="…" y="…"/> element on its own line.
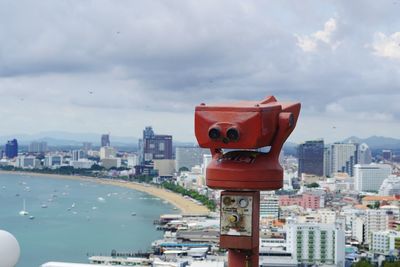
<point x="44" y="206"/>
<point x="31" y="217"/>
<point x="73" y="205"/>
<point x="23" y="212"/>
<point x="133" y="214"/>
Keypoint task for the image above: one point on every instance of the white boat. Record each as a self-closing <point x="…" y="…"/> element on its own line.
<point x="73" y="205"/>
<point x="23" y="212"/>
<point x="44" y="206"/>
<point x="31" y="217"/>
<point x="133" y="214"/>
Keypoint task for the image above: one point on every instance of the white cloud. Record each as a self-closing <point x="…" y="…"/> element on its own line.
<point x="386" y="46"/>
<point x="310" y="43"/>
<point x="334" y="108"/>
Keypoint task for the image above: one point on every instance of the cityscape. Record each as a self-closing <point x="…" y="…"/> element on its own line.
<point x="339" y="204"/>
<point x="200" y="133"/>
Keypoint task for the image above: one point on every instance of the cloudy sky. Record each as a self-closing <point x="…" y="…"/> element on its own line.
<point x="116" y="66"/>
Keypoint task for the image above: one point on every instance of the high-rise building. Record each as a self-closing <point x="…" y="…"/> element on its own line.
<point x="387" y="155"/>
<point x="385" y="242"/>
<point x="364" y="154"/>
<point x="86" y="146"/>
<point x="105" y="140"/>
<point x="189" y="157"/>
<point x="370" y="177"/>
<point x="154" y="146"/>
<point x="27" y="162"/>
<point x="311" y="158"/>
<point x="269" y="205"/>
<point x="375" y="221"/>
<point x="327" y="161"/>
<point x="107" y="152"/>
<point x="77" y="155"/>
<point x="344" y="157"/>
<point x="132" y="161"/>
<point x="11" y="149"/>
<point x="38" y="147"/>
<point x="316" y="244"/>
<point x="53" y="160"/>
<point x="390" y="186"/>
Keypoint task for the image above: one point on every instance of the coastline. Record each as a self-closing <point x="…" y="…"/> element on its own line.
<point x="186" y="206"/>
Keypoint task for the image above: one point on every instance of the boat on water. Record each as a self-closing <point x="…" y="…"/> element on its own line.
<point x="44" y="206"/>
<point x="23" y="212"/>
<point x="31" y="217"/>
<point x="133" y="214"/>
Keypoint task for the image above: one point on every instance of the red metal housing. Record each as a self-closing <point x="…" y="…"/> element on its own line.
<point x="245" y="125"/>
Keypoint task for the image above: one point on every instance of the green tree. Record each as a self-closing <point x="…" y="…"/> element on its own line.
<point x="362" y="263"/>
<point x="183" y="169"/>
<point x="312" y="185"/>
<point x="193" y="194"/>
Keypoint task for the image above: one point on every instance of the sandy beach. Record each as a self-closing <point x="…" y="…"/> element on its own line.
<point x="185" y="205"/>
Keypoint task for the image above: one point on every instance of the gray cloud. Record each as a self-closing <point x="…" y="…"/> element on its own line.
<point x="149" y="61"/>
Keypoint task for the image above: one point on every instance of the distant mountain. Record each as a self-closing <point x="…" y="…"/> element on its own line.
<point x="376" y="142"/>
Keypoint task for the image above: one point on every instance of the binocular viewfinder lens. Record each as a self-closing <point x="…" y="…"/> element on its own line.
<point x="232" y="134"/>
<point x="214" y="133"/>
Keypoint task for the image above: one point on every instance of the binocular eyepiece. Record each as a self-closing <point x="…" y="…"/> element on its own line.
<point x="231" y="134"/>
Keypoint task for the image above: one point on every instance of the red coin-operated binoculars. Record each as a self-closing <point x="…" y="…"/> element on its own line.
<point x="244" y="128"/>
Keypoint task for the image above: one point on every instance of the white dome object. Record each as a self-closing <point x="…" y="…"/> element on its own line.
<point x="9" y="249"/>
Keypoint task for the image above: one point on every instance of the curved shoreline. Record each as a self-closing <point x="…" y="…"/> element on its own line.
<point x="185" y="205"/>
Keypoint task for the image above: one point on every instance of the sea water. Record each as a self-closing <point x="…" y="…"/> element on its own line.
<point x="81" y="218"/>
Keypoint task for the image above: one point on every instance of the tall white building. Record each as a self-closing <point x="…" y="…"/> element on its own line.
<point x="81" y="164"/>
<point x="38" y="147"/>
<point x="390" y="186"/>
<point x="77" y="155"/>
<point x="375" y="220"/>
<point x="53" y="160"/>
<point x="370" y="177"/>
<point x="316" y="244"/>
<point x="189" y="156"/>
<point x="344" y="156"/>
<point x="165" y="167"/>
<point x="327" y="161"/>
<point x="364" y="154"/>
<point x="206" y="160"/>
<point x="107" y="152"/>
<point x="385" y="242"/>
<point x="269" y="205"/>
<point x="27" y="162"/>
<point x="133" y="160"/>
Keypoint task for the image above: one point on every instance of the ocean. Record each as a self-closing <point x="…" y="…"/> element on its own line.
<point x="81" y="218"/>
